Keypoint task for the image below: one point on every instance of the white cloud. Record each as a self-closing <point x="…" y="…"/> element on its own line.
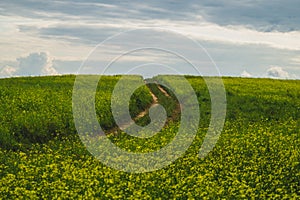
<point x="277" y="72"/>
<point x="246" y="74"/>
<point x="236" y="34"/>
<point x="7" y="71"/>
<point x="35" y="64"/>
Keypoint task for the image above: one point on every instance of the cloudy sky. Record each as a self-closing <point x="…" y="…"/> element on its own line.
<point x="256" y="38"/>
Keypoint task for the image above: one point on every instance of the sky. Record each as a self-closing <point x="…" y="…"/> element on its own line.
<point x="256" y="38"/>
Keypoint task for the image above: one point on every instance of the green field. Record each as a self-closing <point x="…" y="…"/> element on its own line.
<point x="257" y="155"/>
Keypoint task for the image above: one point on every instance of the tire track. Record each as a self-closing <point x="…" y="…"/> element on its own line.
<point x="155" y="102"/>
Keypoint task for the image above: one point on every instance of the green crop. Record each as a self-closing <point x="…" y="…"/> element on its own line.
<point x="257" y="155"/>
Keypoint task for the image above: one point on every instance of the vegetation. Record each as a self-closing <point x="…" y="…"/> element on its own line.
<point x="35" y="110"/>
<point x="257" y="155"/>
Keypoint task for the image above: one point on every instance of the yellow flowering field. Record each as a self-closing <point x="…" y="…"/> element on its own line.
<point x="257" y="155"/>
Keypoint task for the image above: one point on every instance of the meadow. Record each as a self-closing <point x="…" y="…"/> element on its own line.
<point x="257" y="155"/>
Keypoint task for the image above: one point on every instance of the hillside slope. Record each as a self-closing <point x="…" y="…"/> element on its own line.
<point x="256" y="156"/>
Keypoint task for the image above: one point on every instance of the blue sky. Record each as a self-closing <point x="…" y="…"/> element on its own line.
<point x="256" y="38"/>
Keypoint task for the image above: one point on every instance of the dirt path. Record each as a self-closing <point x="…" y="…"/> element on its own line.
<point x="141" y="114"/>
<point x="163" y="90"/>
<point x="155" y="102"/>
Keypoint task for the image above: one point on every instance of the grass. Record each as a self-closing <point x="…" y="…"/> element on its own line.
<point x="256" y="156"/>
